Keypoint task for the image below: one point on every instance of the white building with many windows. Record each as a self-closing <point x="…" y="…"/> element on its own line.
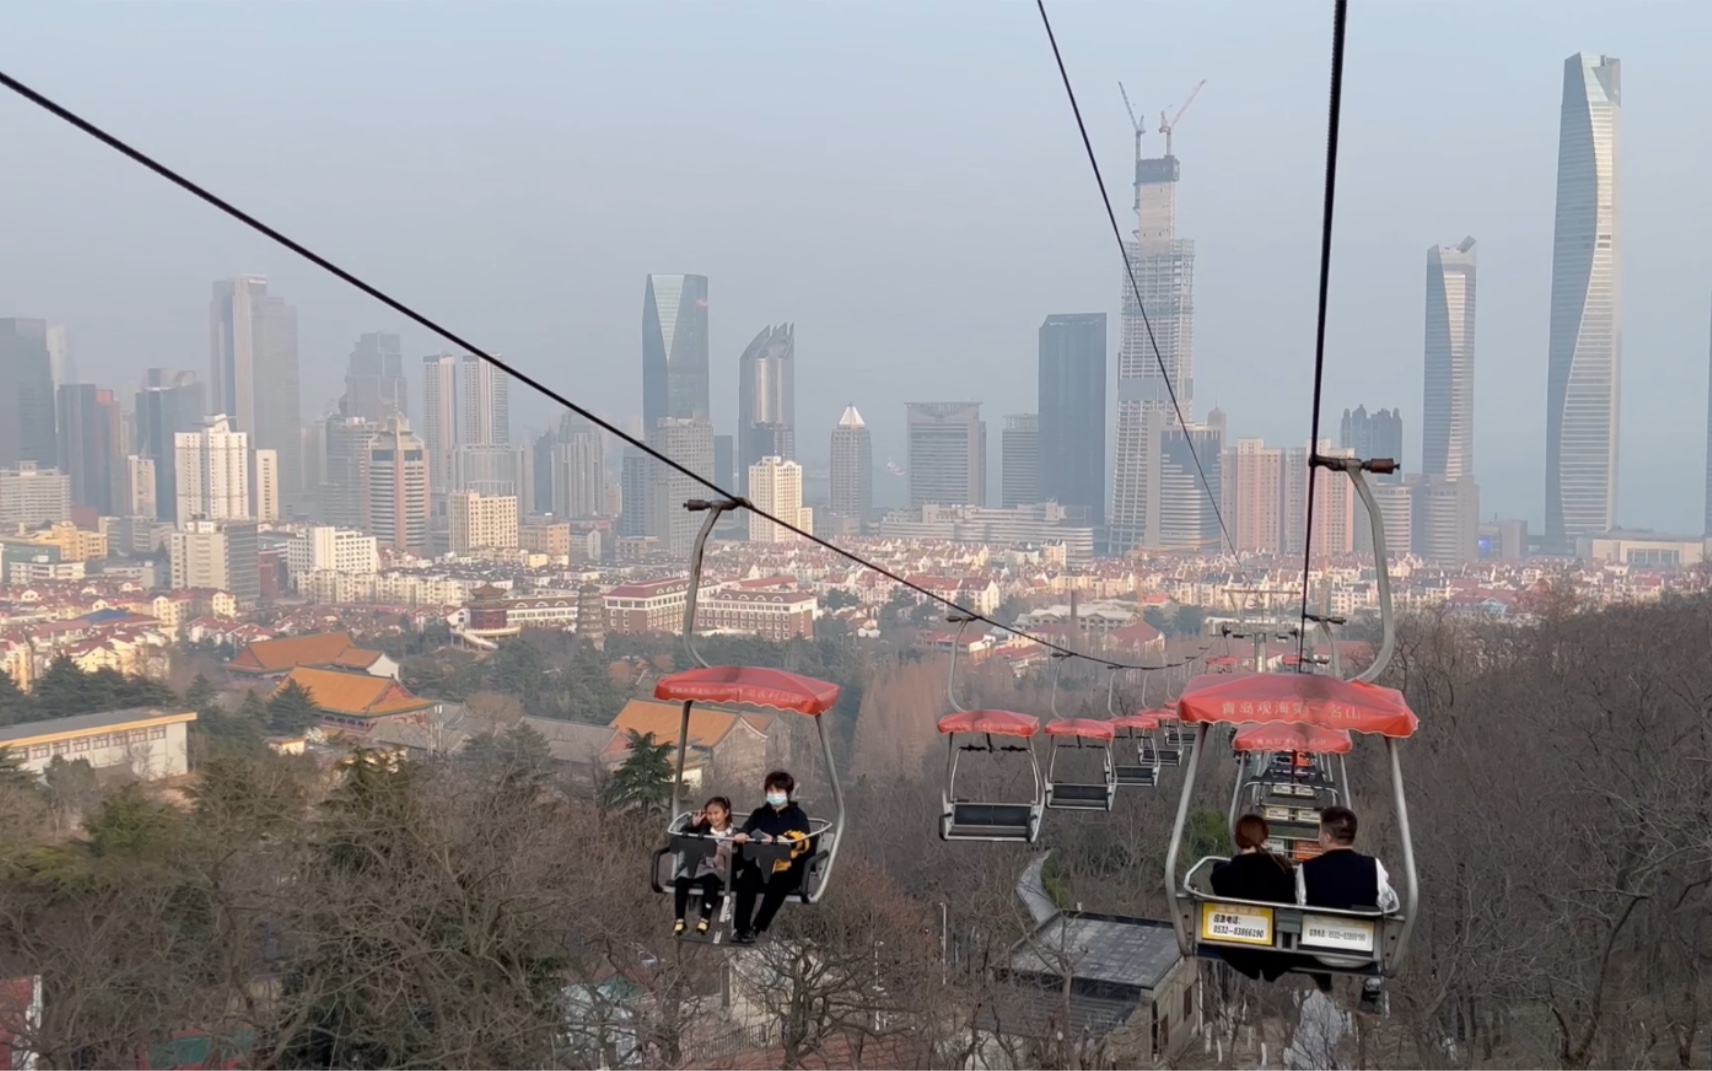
<point x="151" y="741"/>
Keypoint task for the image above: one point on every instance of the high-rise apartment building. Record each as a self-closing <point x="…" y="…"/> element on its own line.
<point x="494" y="470"/>
<point x="253" y="338"/>
<point x="139" y="499"/>
<point x="1447" y="410"/>
<point x="89" y="445"/>
<point x="60" y="360"/>
<point x="690" y="443"/>
<point x="440" y="416"/>
<point x="1396" y="500"/>
<point x="725" y="460"/>
<point x="344" y="472"/>
<point x="27" y="405"/>
<point x="197" y="555"/>
<point x="324" y="548"/>
<point x="1446" y="516"/>
<point x="1019" y="461"/>
<point x="1156" y="348"/>
<point x="485" y="404"/>
<point x="168" y="403"/>
<point x="397" y="477"/>
<point x="1379" y="434"/>
<point x="766" y="400"/>
<point x="947" y="453"/>
<point x="374" y="379"/>
<point x="213" y="471"/>
<point x="852" y="466"/>
<point x="265" y="485"/>
<point x="1334" y="504"/>
<point x="1251" y="485"/>
<point x="578" y="473"/>
<point x="1072" y="396"/>
<point x="481" y="522"/>
<point x="775" y="487"/>
<point x="1182" y="483"/>
<point x="1586" y="348"/>
<point x="33" y="496"/>
<point x="674" y="349"/>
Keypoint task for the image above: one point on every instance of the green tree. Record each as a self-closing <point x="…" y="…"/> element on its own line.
<point x="12" y="772"/>
<point x="253" y="708"/>
<point x="520" y="753"/>
<point x="70" y="787"/>
<point x="14" y="703"/>
<point x="201" y="696"/>
<point x="292" y="710"/>
<point x="644" y="780"/>
<point x="1189" y="621"/>
<point x="63" y="690"/>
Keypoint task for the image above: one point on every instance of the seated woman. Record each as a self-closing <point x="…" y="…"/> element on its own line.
<point x="780" y="819"/>
<point x="1255" y="874"/>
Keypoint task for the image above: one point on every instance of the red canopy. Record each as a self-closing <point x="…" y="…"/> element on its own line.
<point x="750" y="686"/>
<point x="1290" y="736"/>
<point x="997" y="722"/>
<point x="1086" y="728"/>
<point x="1145" y="720"/>
<point x="1297" y="698"/>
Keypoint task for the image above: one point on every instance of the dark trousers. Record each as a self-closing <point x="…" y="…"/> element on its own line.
<point x="772" y="888"/>
<point x="710" y="887"/>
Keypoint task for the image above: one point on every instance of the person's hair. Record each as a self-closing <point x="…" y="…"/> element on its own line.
<point x="1251" y="831"/>
<point x="781" y="780"/>
<point x="1339" y="824"/>
<point x="718" y="801"/>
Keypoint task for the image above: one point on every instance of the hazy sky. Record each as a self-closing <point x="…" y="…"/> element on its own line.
<point x="901" y="180"/>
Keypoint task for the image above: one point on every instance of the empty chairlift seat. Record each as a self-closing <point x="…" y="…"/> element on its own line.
<point x="984" y="733"/>
<point x="1078" y="743"/>
<point x="1137" y="751"/>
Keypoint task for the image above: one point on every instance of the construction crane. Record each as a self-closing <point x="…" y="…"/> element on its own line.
<point x="1140" y="127"/>
<point x="1166" y="126"/>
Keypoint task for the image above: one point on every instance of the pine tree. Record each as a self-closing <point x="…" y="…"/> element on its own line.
<point x="14" y="703"/>
<point x="292" y="710"/>
<point x="63" y="690"/>
<point x="644" y="780"/>
<point x="201" y="696"/>
<point x="253" y="708"/>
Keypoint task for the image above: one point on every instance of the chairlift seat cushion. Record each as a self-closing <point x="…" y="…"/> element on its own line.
<point x="1080" y="797"/>
<point x="1136" y="775"/>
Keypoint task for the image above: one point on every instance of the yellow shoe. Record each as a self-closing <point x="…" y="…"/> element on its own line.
<point x="678" y="928"/>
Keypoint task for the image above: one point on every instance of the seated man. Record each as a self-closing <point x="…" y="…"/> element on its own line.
<point x="1344" y="879"/>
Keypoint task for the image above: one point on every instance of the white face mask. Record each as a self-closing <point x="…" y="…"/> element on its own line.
<point x="777" y="799"/>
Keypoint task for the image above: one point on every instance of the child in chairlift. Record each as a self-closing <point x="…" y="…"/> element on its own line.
<point x="710" y="871"/>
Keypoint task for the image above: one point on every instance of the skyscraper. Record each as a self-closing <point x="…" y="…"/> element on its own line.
<point x="170" y="402"/>
<point x="253" y="362"/>
<point x="766" y="400"/>
<point x="775" y="486"/>
<point x="947" y="454"/>
<point x="674" y="349"/>
<point x="1073" y="412"/>
<point x="213" y="470"/>
<point x="1447" y="413"/>
<point x="1251" y="484"/>
<point x="852" y="466"/>
<point x="374" y="379"/>
<point x="485" y="403"/>
<point x="27" y="406"/>
<point x="690" y="443"/>
<point x="397" y="492"/>
<point x="60" y="360"/>
<point x="265" y="485"/>
<point x="1019" y="460"/>
<point x="89" y="445"/>
<point x="578" y="471"/>
<point x="440" y="416"/>
<point x="1164" y="270"/>
<point x="1377" y="435"/>
<point x="345" y="458"/>
<point x="1586" y="348"/>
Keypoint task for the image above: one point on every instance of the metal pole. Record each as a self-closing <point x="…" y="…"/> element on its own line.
<point x="1410" y="879"/>
<point x="838" y="802"/>
<point x="714" y="511"/>
<point x="1185" y="943"/>
<point x="1382" y="573"/>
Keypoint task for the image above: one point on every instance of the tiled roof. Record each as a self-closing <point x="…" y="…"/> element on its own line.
<point x="273" y="656"/>
<point x="356" y="695"/>
<point x="708" y="726"/>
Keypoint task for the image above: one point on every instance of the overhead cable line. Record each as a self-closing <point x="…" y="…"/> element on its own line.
<point x="113" y="142"/>
<point x="1334" y="121"/>
<point x="1129" y="270"/>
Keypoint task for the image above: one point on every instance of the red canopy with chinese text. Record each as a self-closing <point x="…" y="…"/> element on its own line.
<point x="750" y="686"/>
<point x="1296" y="698"/>
<point x="1293" y="736"/>
<point x="995" y="722"/>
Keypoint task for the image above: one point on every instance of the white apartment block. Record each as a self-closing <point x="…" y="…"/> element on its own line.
<point x="775" y="485"/>
<point x="267" y="485"/>
<point x="199" y="557"/>
<point x="32" y="497"/>
<point x="328" y="549"/>
<point x="477" y="522"/>
<point x="213" y="472"/>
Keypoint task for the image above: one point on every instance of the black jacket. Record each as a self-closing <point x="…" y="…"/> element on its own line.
<point x="776" y="823"/>
<point x="1343" y="879"/>
<point x="1257" y="876"/>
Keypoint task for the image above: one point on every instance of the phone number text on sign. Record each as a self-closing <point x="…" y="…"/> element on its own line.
<point x="1322" y="931"/>
<point x="1228" y="922"/>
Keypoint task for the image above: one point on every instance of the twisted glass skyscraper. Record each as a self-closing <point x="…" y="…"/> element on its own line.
<point x="1585" y="357"/>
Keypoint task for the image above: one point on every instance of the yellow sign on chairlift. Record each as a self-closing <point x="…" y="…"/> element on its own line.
<point x="1236" y="923"/>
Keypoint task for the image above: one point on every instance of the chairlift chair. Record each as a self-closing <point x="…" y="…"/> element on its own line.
<point x="752" y="686"/>
<point x="1013" y="822"/>
<point x="1132" y="731"/>
<point x="1307" y="939"/>
<point x="1078" y="736"/>
<point x="1291" y="818"/>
